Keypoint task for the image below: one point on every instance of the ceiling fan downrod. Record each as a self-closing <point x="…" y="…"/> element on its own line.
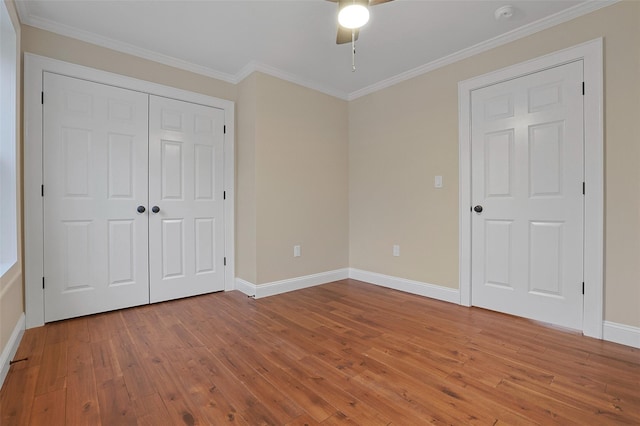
<point x="353" y="50"/>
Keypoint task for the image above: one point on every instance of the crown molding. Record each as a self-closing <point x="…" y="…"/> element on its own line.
<point x="120" y="46"/>
<point x="21" y="8"/>
<point x="526" y="30"/>
<point x="253" y="66"/>
<point x="130" y="49"/>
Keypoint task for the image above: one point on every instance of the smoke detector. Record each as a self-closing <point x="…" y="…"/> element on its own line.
<point x="504" y="13"/>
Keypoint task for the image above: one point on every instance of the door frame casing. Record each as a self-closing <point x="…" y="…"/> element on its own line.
<point x="593" y="270"/>
<point x="34" y="67"/>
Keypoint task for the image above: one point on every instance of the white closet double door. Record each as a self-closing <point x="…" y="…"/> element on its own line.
<point x="133" y="198"/>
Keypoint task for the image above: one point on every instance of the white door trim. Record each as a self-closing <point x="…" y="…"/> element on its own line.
<point x="591" y="55"/>
<point x="34" y="66"/>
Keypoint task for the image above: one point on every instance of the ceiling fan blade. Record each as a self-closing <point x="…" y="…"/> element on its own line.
<point x="371" y="2"/>
<point x="344" y="35"/>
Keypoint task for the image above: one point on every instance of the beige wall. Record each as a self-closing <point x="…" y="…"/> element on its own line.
<point x="246" y="180"/>
<point x="11" y="288"/>
<point x="301" y="180"/>
<point x="401" y="137"/>
<point x="11" y="302"/>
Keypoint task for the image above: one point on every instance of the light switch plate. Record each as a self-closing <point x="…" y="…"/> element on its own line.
<point x="437" y="182"/>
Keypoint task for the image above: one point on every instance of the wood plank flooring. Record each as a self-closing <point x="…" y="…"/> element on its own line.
<point x="345" y="353"/>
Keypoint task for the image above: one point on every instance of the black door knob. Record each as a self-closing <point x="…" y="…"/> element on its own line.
<point x="141" y="209"/>
<point x="155" y="209"/>
<point x="478" y="209"/>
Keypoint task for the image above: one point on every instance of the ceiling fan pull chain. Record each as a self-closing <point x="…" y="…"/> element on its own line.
<point x="353" y="50"/>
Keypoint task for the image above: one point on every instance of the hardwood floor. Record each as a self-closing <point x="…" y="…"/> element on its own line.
<point x="341" y="353"/>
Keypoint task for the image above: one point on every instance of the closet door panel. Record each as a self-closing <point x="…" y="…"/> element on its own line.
<point x="95" y="146"/>
<point x="186" y="237"/>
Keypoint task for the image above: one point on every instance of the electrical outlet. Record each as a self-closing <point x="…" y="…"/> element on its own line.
<point x="396" y="250"/>
<point x="296" y="251"/>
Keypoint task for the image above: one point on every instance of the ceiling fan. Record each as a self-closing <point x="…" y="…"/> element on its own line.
<point x="352" y="15"/>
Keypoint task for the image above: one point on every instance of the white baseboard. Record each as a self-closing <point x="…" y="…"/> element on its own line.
<point x="620" y="333"/>
<point x="245" y="286"/>
<point x="11" y="348"/>
<point x="415" y="287"/>
<point x="284" y="286"/>
<point x="613" y="332"/>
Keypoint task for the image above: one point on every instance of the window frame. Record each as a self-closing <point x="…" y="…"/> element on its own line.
<point x="8" y="142"/>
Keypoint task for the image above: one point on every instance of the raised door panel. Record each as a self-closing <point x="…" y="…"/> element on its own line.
<point x="77" y="255"/>
<point x="546" y="258"/>
<point x="546" y="159"/>
<point x="122" y="252"/>
<point x="205" y="245"/>
<point x="172" y="171"/>
<point x="205" y="160"/>
<point x="499" y="163"/>
<point x="498" y="253"/>
<point x="172" y="248"/>
<point x="76" y="160"/>
<point x="120" y="168"/>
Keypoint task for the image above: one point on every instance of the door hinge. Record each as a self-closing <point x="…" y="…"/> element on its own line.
<point x="42" y="190"/>
<point x="583" y="287"/>
<point x="225" y="261"/>
<point x="583" y="188"/>
<point x="43" y="283"/>
<point x="224" y="129"/>
<point x="42" y="98"/>
<point x="583" y="88"/>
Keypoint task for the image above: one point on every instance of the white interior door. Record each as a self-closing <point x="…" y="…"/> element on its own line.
<point x="95" y="176"/>
<point x="527" y="176"/>
<point x="186" y="239"/>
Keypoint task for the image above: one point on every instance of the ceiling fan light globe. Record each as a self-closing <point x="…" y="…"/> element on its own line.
<point x="353" y="16"/>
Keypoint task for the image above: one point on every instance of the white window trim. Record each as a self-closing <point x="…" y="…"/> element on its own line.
<point x="34" y="67"/>
<point x="8" y="145"/>
<point x="591" y="54"/>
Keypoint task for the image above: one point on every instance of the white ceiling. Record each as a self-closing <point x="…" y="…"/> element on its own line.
<point x="295" y="40"/>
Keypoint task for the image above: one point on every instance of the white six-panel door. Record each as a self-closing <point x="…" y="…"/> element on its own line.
<point x="527" y="174"/>
<point x="186" y="235"/>
<point x="95" y="177"/>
